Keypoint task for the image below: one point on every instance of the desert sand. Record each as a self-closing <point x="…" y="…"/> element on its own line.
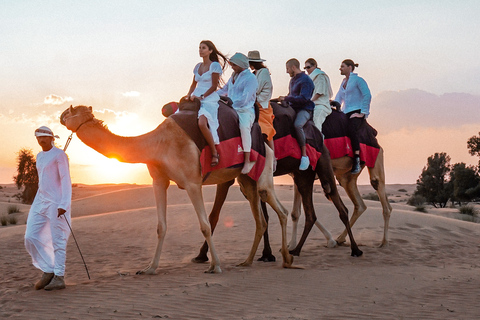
<point x="431" y="270"/>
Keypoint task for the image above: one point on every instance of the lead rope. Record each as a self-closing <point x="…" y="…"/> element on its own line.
<point x="81" y="255"/>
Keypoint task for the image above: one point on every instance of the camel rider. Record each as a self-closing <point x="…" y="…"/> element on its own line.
<point x="47" y="230"/>
<point x="241" y="88"/>
<point x="322" y="93"/>
<point x="300" y="92"/>
<point x="355" y="96"/>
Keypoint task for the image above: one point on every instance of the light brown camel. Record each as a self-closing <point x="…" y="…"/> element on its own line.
<point x="341" y="169"/>
<point x="171" y="155"/>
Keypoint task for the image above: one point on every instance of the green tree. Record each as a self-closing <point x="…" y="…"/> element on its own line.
<point x="465" y="180"/>
<point x="433" y="183"/>
<point x="27" y="175"/>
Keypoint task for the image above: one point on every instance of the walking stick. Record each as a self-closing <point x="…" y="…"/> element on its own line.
<point x="81" y="255"/>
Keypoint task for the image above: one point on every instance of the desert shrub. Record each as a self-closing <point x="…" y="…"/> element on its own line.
<point x="371" y="196"/>
<point x="416" y="200"/>
<point x="402" y="190"/>
<point x="420" y="208"/>
<point x="13" y="209"/>
<point x="3" y="220"/>
<point x="468" y="209"/>
<point x="12" y="220"/>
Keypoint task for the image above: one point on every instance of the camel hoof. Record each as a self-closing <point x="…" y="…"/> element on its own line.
<point x="295" y="253"/>
<point x="332" y="244"/>
<point x="199" y="259"/>
<point x="340" y="241"/>
<point x="357" y="253"/>
<point x="384" y="244"/>
<point x="291" y="246"/>
<point x="288" y="262"/>
<point x="214" y="269"/>
<point x="244" y="264"/>
<point x="148" y="270"/>
<point x="267" y="258"/>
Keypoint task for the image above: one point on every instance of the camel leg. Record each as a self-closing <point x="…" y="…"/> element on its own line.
<point x="160" y="186"/>
<point x="304" y="181"/>
<point x="249" y="189"/>
<point x="296" y="212"/>
<point x="377" y="180"/>
<point x="220" y="197"/>
<point x="267" y="194"/>
<point x="195" y="193"/>
<point x="325" y="173"/>
<point x="267" y="255"/>
<point x="349" y="183"/>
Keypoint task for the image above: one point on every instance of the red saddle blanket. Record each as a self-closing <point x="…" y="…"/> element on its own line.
<point x="335" y="129"/>
<point x="286" y="144"/>
<point x="230" y="148"/>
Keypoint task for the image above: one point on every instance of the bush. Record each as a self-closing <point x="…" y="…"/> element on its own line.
<point x="12" y="220"/>
<point x="3" y="220"/>
<point x="468" y="209"/>
<point x="416" y="200"/>
<point x="402" y="190"/>
<point x="371" y="196"/>
<point x="13" y="209"/>
<point x="420" y="208"/>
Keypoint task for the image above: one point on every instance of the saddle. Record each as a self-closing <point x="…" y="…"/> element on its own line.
<point x="230" y="147"/>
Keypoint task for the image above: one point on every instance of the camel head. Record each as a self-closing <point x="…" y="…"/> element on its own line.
<point x="73" y="118"/>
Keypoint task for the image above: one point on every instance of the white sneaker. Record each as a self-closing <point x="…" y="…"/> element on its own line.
<point x="304" y="163"/>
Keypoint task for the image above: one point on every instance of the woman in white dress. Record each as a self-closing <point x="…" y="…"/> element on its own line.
<point x="204" y="86"/>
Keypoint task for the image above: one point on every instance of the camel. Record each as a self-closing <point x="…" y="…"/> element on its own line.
<point x="304" y="182"/>
<point x="341" y="169"/>
<point x="171" y="155"/>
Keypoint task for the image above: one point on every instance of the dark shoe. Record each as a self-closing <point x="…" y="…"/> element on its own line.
<point x="215" y="160"/>
<point x="46" y="278"/>
<point x="57" y="283"/>
<point x="356" y="167"/>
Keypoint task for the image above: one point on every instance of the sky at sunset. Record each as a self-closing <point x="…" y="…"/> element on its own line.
<point x="127" y="59"/>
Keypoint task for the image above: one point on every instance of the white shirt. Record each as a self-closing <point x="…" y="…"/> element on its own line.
<point x="243" y="92"/>
<point x="54" y="184"/>
<point x="322" y="87"/>
<point x="265" y="87"/>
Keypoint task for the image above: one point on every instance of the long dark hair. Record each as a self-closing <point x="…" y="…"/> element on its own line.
<point x="257" y="65"/>
<point x="350" y="63"/>
<point x="215" y="55"/>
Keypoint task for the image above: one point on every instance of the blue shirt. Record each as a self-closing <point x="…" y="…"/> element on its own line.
<point x="243" y="92"/>
<point x="300" y="92"/>
<point x="356" y="96"/>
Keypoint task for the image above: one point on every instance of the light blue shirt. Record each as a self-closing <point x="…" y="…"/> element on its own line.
<point x="243" y="92"/>
<point x="356" y="96"/>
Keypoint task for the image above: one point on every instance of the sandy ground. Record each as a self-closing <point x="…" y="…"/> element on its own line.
<point x="431" y="270"/>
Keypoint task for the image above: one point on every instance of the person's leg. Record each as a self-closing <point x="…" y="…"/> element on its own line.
<point x="60" y="233"/>
<point x="301" y="119"/>
<point x="245" y="122"/>
<point x="203" y="125"/>
<point x="319" y="115"/>
<point x="354" y="124"/>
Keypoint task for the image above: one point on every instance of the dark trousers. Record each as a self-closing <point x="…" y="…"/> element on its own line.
<point x="353" y="127"/>
<point x="301" y="119"/>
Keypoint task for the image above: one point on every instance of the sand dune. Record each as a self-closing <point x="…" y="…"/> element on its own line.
<point x="431" y="269"/>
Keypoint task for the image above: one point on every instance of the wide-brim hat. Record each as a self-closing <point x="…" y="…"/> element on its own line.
<point x="254" y="56"/>
<point x="44" y="131"/>
<point x="240" y="60"/>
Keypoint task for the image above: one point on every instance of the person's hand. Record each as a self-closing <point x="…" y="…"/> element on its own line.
<point x="192" y="97"/>
<point x="61" y="212"/>
<point x="281" y="98"/>
<point x="357" y="115"/>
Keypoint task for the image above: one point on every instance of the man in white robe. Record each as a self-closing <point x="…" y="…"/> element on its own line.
<point x="47" y="230"/>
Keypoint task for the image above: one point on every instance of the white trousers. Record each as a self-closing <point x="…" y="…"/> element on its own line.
<point x="46" y="238"/>
<point x="320" y="113"/>
<point x="245" y="122"/>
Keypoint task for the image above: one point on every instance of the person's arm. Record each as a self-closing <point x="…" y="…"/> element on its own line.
<point x="304" y="96"/>
<point x="224" y="90"/>
<point x="340" y="95"/>
<point x="366" y="96"/>
<point x="65" y="184"/>
<point x="264" y="89"/>
<point x="192" y="88"/>
<point x="215" y="79"/>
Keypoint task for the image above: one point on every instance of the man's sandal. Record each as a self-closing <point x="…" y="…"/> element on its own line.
<point x="215" y="160"/>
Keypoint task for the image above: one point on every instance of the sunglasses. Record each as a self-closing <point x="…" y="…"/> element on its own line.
<point x="308" y="67"/>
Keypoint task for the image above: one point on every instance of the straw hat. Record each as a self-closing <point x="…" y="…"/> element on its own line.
<point x="254" y="56"/>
